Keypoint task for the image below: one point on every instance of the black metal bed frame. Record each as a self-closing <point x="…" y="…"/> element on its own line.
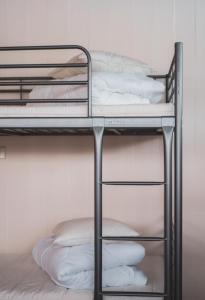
<point x="167" y="126"/>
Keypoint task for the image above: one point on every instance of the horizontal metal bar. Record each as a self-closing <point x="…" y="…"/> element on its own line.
<point x="49" y="82"/>
<point x="48" y="65"/>
<point x="45" y="123"/>
<point x="132" y="122"/>
<point x="43" y="47"/>
<point x="24" y="101"/>
<point x="83" y="122"/>
<point x="14" y="91"/>
<point x="132" y="293"/>
<point x="61" y="131"/>
<point x="134" y="238"/>
<point x="133" y="182"/>
<point x="26" y="78"/>
<point x="158" y="76"/>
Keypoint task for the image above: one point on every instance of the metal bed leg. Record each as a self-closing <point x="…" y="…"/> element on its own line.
<point x="98" y="136"/>
<point x="178" y="169"/>
<point x="168" y="138"/>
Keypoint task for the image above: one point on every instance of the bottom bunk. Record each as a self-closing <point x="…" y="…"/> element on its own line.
<point x="22" y="279"/>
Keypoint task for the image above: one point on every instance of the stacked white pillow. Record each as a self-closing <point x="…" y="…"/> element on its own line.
<point x="103" y="61"/>
<point x="116" y="80"/>
<point x="68" y="255"/>
<point x="81" y="231"/>
<point x="107" y="89"/>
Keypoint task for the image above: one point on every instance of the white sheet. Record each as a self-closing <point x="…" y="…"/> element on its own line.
<point x="72" y="267"/>
<point x="22" y="279"/>
<point x="107" y="89"/>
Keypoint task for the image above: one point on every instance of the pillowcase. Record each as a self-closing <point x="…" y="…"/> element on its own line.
<point x="81" y="231"/>
<point x="104" y="62"/>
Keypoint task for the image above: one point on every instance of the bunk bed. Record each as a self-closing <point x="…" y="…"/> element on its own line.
<point x="19" y="118"/>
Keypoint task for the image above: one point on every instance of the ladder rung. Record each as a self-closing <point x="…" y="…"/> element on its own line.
<point x="132" y="293"/>
<point x="133" y="182"/>
<point x="134" y="238"/>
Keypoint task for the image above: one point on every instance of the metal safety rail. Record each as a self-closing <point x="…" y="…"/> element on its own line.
<point x="172" y="261"/>
<point x="21" y="82"/>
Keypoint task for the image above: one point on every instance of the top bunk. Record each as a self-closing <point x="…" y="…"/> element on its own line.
<point x="68" y="98"/>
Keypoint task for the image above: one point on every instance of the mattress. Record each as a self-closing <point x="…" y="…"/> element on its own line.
<point x="22" y="279"/>
<point x="80" y="110"/>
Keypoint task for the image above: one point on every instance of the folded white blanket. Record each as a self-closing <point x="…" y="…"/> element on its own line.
<point x="116" y="277"/>
<point x="107" y="89"/>
<point x="133" y="84"/>
<point x="72" y="267"/>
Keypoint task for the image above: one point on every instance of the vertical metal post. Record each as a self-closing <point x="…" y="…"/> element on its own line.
<point x="166" y="85"/>
<point x="21" y="90"/>
<point x="98" y="136"/>
<point x="168" y="137"/>
<point x="89" y="88"/>
<point x="178" y="168"/>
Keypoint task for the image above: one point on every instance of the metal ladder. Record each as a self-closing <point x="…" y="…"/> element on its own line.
<point x="168" y="236"/>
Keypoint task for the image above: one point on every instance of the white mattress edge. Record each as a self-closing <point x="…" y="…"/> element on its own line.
<point x="80" y="110"/>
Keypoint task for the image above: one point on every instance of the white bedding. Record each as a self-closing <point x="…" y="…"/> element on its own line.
<point x="120" y="88"/>
<point x="72" y="267"/>
<point x="107" y="89"/>
<point x="113" y="96"/>
<point x="22" y="279"/>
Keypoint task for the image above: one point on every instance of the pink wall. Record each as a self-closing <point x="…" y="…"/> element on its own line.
<point x="39" y="178"/>
<point x="49" y="179"/>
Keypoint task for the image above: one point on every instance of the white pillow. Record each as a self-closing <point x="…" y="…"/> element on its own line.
<point x="104" y="62"/>
<point x="81" y="231"/>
